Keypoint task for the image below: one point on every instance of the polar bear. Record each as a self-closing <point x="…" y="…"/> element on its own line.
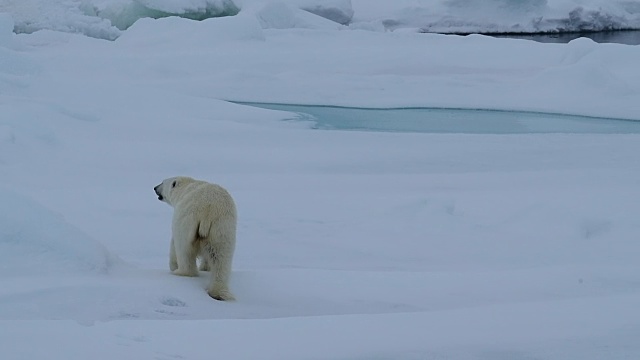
<point x="204" y="225"/>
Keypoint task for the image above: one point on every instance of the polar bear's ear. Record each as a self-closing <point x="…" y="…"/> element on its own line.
<point x="174" y="184"/>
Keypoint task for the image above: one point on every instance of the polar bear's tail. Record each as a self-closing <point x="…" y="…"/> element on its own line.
<point x="204" y="228"/>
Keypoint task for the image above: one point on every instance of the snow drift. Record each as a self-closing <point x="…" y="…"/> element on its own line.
<point x="36" y="241"/>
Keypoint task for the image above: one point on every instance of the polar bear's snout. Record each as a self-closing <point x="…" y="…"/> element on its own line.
<point x="156" y="189"/>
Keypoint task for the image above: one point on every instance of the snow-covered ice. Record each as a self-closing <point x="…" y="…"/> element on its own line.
<point x="351" y="244"/>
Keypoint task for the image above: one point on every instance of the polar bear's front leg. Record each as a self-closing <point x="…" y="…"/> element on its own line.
<point x="173" y="261"/>
<point x="185" y="257"/>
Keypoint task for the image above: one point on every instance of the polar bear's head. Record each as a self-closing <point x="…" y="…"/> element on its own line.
<point x="169" y="186"/>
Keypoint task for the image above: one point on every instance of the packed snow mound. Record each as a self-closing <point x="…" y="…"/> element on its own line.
<point x="498" y="16"/>
<point x="36" y="241"/>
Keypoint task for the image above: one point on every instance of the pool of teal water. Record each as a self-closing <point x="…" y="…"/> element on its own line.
<point x="436" y="120"/>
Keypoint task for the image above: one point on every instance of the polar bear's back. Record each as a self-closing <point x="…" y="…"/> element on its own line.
<point x="207" y="199"/>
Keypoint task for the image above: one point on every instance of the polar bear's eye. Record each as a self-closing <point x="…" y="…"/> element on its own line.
<point x="174" y="184"/>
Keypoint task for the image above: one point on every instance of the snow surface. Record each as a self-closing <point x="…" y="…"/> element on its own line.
<point x="351" y="244"/>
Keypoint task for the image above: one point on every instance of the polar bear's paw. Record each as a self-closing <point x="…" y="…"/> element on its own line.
<point x="221" y="295"/>
<point x="183" y="272"/>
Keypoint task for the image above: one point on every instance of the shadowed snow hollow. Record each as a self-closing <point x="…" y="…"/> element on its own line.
<point x="36" y="241"/>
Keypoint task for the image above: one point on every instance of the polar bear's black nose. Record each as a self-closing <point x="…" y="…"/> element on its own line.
<point x="155" y="189"/>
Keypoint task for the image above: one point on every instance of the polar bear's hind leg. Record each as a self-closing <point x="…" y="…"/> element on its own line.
<point x="220" y="273"/>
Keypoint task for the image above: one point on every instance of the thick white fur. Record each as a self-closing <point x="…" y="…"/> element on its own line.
<point x="204" y="224"/>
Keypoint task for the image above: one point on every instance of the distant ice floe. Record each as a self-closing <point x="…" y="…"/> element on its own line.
<point x="498" y="16"/>
<point x="537" y="18"/>
<point x="107" y="19"/>
<point x="123" y="13"/>
<point x="66" y="16"/>
<point x="36" y="241"/>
